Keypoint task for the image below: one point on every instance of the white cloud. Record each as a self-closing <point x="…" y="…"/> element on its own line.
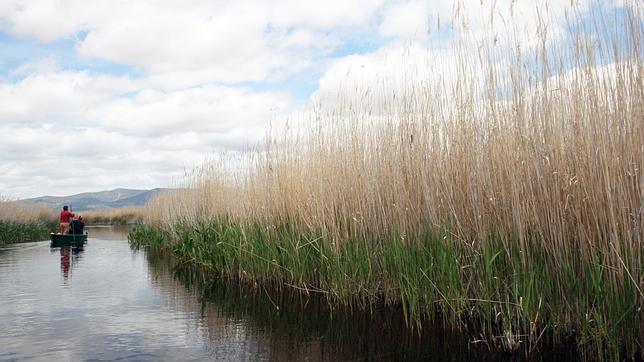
<point x="47" y="20"/>
<point x="228" y="40"/>
<point x="81" y="99"/>
<point x="323" y="14"/>
<point x="407" y="19"/>
<point x="56" y="96"/>
<point x="195" y="41"/>
<point x="201" y="109"/>
<point x="367" y="83"/>
<point x="40" y="65"/>
<point x="110" y="125"/>
<point x="65" y="161"/>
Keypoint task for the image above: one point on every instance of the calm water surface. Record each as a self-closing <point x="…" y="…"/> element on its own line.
<point x="109" y="302"/>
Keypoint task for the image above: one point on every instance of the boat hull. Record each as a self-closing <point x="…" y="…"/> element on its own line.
<point x="77" y="240"/>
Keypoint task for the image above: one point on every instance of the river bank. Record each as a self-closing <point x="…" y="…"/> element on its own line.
<point x="381" y="332"/>
<point x="486" y="292"/>
<point x="110" y="300"/>
<point x="501" y="190"/>
<point x="21" y="232"/>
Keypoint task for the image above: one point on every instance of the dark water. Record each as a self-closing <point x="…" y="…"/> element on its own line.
<point x="109" y="302"/>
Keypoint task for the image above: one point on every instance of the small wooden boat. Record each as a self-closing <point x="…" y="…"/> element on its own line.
<point x="77" y="240"/>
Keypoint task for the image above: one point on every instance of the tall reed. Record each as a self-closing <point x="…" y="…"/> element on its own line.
<point x="127" y="215"/>
<point x="505" y="187"/>
<point x="21" y="223"/>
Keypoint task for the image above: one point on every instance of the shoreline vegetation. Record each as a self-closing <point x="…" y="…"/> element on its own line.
<point x="500" y="188"/>
<point x="383" y="331"/>
<point x="13" y="232"/>
<point x="129" y="215"/>
<point x="19" y="223"/>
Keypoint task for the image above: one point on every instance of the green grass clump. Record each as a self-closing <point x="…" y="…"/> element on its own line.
<point x="148" y="236"/>
<point x="292" y="316"/>
<point x="488" y="289"/>
<point x="20" y="232"/>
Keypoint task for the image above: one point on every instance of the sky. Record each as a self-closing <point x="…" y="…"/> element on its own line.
<point x="102" y="94"/>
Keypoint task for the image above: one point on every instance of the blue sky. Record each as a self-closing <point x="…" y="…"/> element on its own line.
<point x="134" y="92"/>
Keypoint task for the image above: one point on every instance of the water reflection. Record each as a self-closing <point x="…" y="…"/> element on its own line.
<point x="69" y="257"/>
<point x="110" y="311"/>
<point x="241" y="321"/>
<point x="142" y="305"/>
<point x="244" y="321"/>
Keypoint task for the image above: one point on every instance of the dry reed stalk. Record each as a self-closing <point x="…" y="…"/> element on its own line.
<point x="122" y="215"/>
<point x="13" y="211"/>
<point x="545" y="158"/>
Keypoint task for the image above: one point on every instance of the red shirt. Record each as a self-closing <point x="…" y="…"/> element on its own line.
<point x="65" y="216"/>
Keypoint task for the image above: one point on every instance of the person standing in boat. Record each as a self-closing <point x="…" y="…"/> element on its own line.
<point x="65" y="218"/>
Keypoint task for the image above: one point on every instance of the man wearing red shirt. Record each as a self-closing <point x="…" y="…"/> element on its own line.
<point x="65" y="217"/>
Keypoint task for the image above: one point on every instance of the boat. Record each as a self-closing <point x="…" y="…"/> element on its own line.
<point x="76" y="240"/>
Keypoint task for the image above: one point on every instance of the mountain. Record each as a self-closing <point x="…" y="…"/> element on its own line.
<point x="101" y="200"/>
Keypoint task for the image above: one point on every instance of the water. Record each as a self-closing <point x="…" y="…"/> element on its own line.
<point x="109" y="302"/>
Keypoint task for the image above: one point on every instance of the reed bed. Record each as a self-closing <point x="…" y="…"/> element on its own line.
<point x="504" y="194"/>
<point x="128" y="215"/>
<point x="20" y="223"/>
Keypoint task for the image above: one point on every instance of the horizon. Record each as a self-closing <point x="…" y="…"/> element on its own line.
<point x="92" y="192"/>
<point x="124" y="109"/>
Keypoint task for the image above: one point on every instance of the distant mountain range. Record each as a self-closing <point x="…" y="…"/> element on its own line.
<point x="101" y="200"/>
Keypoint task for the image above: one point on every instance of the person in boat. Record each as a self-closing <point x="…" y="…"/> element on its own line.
<point x="65" y="218"/>
<point x="77" y="225"/>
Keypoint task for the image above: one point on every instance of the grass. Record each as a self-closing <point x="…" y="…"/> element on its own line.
<point x="289" y="315"/>
<point x="22" y="232"/>
<point x="429" y="279"/>
<point x="19" y="223"/>
<point x="505" y="193"/>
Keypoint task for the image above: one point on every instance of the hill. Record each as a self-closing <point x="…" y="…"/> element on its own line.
<point x="102" y="200"/>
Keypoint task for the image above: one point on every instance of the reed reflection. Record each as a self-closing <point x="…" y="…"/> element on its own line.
<point x="241" y="322"/>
